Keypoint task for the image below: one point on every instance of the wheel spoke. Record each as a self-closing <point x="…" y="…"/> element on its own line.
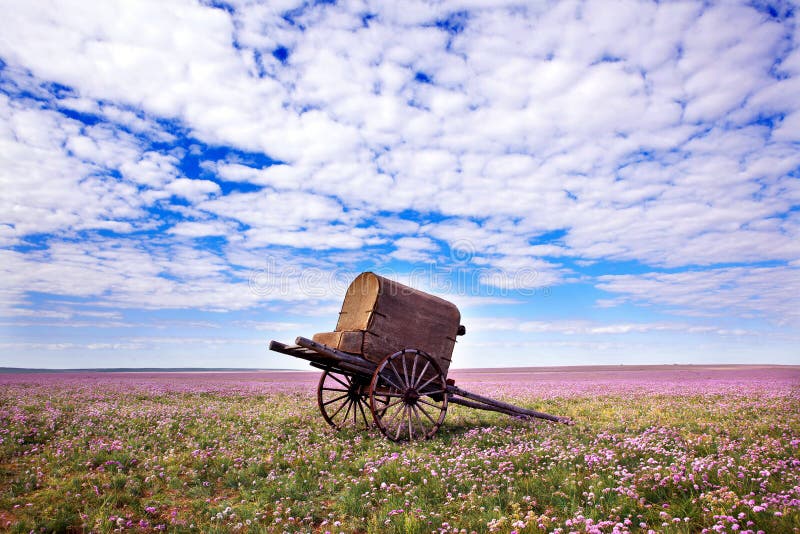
<point x="400" y="424"/>
<point x="395" y="386"/>
<point x="336" y="399"/>
<point x="380" y="398"/>
<point x="420" y="422"/>
<point x="363" y="415"/>
<point x="420" y="408"/>
<point x="405" y="369"/>
<point x="410" y="426"/>
<point x="413" y="379"/>
<point x="383" y="394"/>
<point x="422" y="374"/>
<point x="428" y="381"/>
<point x="394" y="416"/>
<point x="334" y="414"/>
<point x="380" y="412"/>
<point x="347" y="413"/>
<point x="395" y="403"/>
<point x="398" y="408"/>
<point x="400" y="378"/>
<point x="433" y="392"/>
<point x="345" y="384"/>
<point x="336" y="389"/>
<point x="438" y="407"/>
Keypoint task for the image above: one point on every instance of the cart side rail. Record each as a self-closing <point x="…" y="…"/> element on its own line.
<point x="308" y="350"/>
<point x="352" y="360"/>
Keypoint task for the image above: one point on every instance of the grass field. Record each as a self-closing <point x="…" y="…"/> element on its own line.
<point x="701" y="450"/>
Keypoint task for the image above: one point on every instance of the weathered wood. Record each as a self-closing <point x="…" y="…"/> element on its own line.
<point x="322" y="359"/>
<point x="454" y="390"/>
<point x="347" y="341"/>
<point x="380" y="317"/>
<point x="338" y="356"/>
<point x="481" y="406"/>
<point x="296" y="350"/>
<point x="409" y="335"/>
<point x="331" y="359"/>
<point x="359" y="303"/>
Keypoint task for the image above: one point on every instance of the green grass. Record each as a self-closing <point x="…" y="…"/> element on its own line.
<point x="113" y="457"/>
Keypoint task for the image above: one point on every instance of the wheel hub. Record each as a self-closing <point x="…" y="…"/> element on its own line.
<point x="411" y="396"/>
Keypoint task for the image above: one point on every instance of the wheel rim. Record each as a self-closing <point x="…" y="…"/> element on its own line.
<point x="342" y="400"/>
<point x="408" y="396"/>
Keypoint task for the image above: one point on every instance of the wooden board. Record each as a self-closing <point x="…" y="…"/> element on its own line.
<point x="359" y="302"/>
<point x="380" y="316"/>
<point x="347" y="341"/>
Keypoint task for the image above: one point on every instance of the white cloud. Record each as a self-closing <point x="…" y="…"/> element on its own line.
<point x="769" y="292"/>
<point x="150" y="169"/>
<point x="789" y="129"/>
<point x="134" y="343"/>
<point x="414" y="249"/>
<point x="267" y="208"/>
<point x="295" y="219"/>
<point x="590" y="328"/>
<point x="194" y="190"/>
<point x="657" y="133"/>
<point x="487" y="136"/>
<point x="53" y="173"/>
<point x="275" y="326"/>
<point x="123" y="274"/>
<point x="278" y="176"/>
<point x="201" y="229"/>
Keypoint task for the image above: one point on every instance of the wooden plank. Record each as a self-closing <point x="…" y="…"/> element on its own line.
<point x="291" y="350"/>
<point x="302" y="353"/>
<point x="352" y="341"/>
<point x="330" y="339"/>
<point x="325" y="358"/>
<point x="359" y="301"/>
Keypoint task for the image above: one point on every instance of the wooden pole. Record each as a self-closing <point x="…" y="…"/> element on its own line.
<point x="336" y="355"/>
<point x="480" y="406"/>
<point x="453" y="390"/>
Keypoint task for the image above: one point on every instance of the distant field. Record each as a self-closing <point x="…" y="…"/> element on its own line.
<point x="663" y="449"/>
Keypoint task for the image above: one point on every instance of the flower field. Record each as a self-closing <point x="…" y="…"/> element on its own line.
<point x="661" y="451"/>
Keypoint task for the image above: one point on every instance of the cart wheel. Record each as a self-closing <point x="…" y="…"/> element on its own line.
<point x="408" y="396"/>
<point x="342" y="400"/>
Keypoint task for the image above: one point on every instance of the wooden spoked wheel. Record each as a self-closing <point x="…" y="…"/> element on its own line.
<point x="342" y="399"/>
<point x="408" y="396"/>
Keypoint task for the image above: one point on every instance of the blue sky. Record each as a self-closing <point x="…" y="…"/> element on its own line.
<point x="591" y="182"/>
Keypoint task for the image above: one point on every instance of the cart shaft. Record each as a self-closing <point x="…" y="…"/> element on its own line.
<point x="503" y="407"/>
<point x="481" y="406"/>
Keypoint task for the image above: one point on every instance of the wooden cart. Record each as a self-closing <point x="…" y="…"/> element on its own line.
<point x="387" y="360"/>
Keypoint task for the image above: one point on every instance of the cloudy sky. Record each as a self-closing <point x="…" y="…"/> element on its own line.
<point x="591" y="182"/>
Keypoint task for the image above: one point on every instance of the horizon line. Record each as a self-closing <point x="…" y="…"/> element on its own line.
<point x="21" y="370"/>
